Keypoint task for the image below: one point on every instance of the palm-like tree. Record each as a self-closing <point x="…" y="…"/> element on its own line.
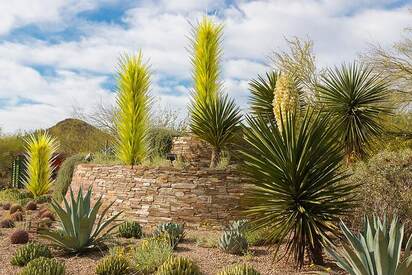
<point x="214" y="117"/>
<point x="132" y="118"/>
<point x="356" y="98"/>
<point x="262" y="92"/>
<point x="295" y="168"/>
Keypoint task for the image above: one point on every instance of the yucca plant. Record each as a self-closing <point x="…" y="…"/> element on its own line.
<point x="216" y="122"/>
<point x="132" y="118"/>
<point x="40" y="154"/>
<point x="262" y="92"/>
<point x="80" y="229"/>
<point x="286" y="97"/>
<point x="298" y="194"/>
<point x="356" y="99"/>
<point x="375" y="251"/>
<point x="206" y="56"/>
<point x="214" y="117"/>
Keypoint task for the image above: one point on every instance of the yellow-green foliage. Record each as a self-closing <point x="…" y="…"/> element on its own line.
<point x="286" y="97"/>
<point x="10" y="146"/>
<point x="206" y="55"/>
<point x="132" y="120"/>
<point x="239" y="269"/>
<point x="178" y="266"/>
<point x="150" y="254"/>
<point x="113" y="265"/>
<point x="40" y="149"/>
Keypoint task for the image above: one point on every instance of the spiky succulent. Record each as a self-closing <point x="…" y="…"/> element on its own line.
<point x="286" y="97"/>
<point x="113" y="265"/>
<point x="19" y="237"/>
<point x="15" y="207"/>
<point x="173" y="233"/>
<point x="6" y="223"/>
<point x="40" y="150"/>
<point x="233" y="242"/>
<point x="239" y="269"/>
<point x="178" y="266"/>
<point x="239" y="225"/>
<point x="17" y="217"/>
<point x="44" y="266"/>
<point x="133" y="100"/>
<point x="130" y="229"/>
<point x="262" y="95"/>
<point x="30" y="252"/>
<point x="31" y="205"/>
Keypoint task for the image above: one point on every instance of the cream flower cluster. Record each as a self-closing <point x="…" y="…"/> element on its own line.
<point x="286" y="97"/>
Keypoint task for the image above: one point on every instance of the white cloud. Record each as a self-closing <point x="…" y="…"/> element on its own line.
<point x="253" y="29"/>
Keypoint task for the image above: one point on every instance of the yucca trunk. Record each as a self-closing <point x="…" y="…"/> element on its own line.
<point x="215" y="159"/>
<point x="315" y="253"/>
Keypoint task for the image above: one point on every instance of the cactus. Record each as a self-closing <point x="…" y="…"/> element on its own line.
<point x="233" y="242"/>
<point x="130" y="229"/>
<point x="29" y="252"/>
<point x="239" y="269"/>
<point x="6" y="223"/>
<point x="44" y="266"/>
<point x="6" y="206"/>
<point x="113" y="265"/>
<point x="18" y="172"/>
<point x="178" y="266"/>
<point x="47" y="214"/>
<point x="31" y="205"/>
<point x="286" y="98"/>
<point x="171" y="232"/>
<point x="17" y="217"/>
<point x="19" y="237"/>
<point x="15" y="207"/>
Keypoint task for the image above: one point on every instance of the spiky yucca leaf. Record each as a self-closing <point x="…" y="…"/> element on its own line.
<point x="206" y="54"/>
<point x="356" y="98"/>
<point x="40" y="150"/>
<point x="215" y="122"/>
<point x="262" y="94"/>
<point x="132" y="119"/>
<point x="298" y="194"/>
<point x="79" y="227"/>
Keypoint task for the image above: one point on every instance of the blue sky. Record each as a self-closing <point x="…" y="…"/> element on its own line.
<point x="60" y="55"/>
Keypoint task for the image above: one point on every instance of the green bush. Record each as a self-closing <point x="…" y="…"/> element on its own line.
<point x="10" y="146"/>
<point x="64" y="176"/>
<point x="12" y="195"/>
<point x="239" y="269"/>
<point x="150" y="254"/>
<point x="113" y="265"/>
<point x="160" y="141"/>
<point x="130" y="229"/>
<point x="44" y="266"/>
<point x="385" y="187"/>
<point x="28" y="252"/>
<point x="178" y="266"/>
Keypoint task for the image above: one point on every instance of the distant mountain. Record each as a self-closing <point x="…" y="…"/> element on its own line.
<point x="77" y="136"/>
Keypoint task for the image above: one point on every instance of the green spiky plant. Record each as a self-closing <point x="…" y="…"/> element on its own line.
<point x="214" y="117"/>
<point x="80" y="230"/>
<point x="356" y="99"/>
<point x="133" y="100"/>
<point x="376" y="250"/>
<point x="298" y="194"/>
<point x="262" y="92"/>
<point x="40" y="150"/>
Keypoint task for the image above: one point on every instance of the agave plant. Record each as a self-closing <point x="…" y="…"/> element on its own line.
<point x="40" y="150"/>
<point x="262" y="94"/>
<point x="132" y="119"/>
<point x="216" y="122"/>
<point x="376" y="250"/>
<point x="298" y="194"/>
<point x="356" y="99"/>
<point x="80" y="229"/>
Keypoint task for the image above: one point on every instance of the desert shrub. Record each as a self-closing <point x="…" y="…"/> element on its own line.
<point x="44" y="198"/>
<point x="117" y="264"/>
<point x="6" y="223"/>
<point x="239" y="269"/>
<point x="10" y="147"/>
<point x="233" y="242"/>
<point x="29" y="252"/>
<point x="386" y="187"/>
<point x="160" y="141"/>
<point x="44" y="266"/>
<point x="150" y="254"/>
<point x="13" y="195"/>
<point x="178" y="265"/>
<point x="130" y="229"/>
<point x="173" y="233"/>
<point x="206" y="241"/>
<point x="19" y="237"/>
<point x="64" y="176"/>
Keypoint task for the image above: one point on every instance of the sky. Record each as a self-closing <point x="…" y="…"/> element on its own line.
<point x="61" y="55"/>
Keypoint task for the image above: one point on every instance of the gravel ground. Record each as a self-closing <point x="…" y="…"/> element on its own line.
<point x="210" y="260"/>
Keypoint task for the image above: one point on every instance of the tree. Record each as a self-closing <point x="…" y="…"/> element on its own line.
<point x="133" y="100"/>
